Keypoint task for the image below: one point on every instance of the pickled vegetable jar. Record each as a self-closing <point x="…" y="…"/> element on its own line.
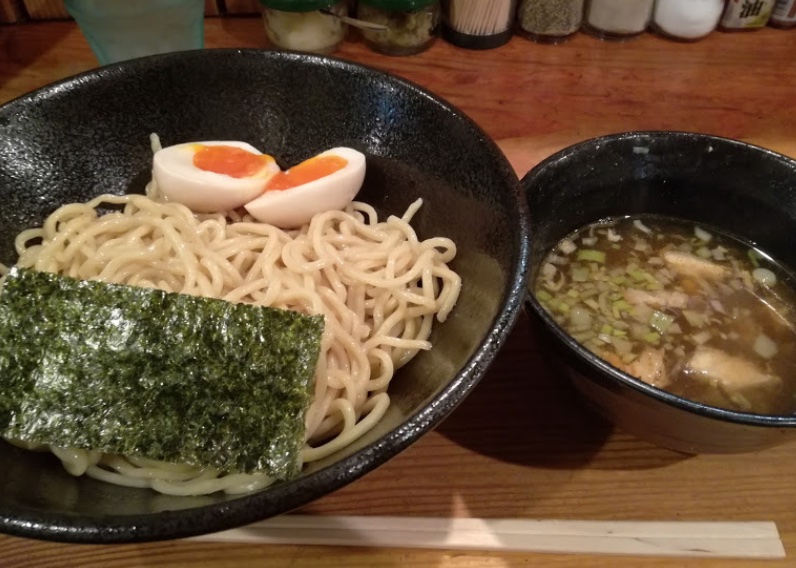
<point x="302" y="25"/>
<point x="411" y="24"/>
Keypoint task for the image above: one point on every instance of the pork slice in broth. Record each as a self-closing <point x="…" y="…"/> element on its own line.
<point x="688" y="264"/>
<point x="738" y="379"/>
<point x="650" y="368"/>
<point x="657" y="298"/>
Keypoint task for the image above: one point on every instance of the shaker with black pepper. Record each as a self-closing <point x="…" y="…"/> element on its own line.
<point x="549" y="21"/>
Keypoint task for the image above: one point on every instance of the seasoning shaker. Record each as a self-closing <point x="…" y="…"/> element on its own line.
<point x="412" y="25"/>
<point x="301" y="25"/>
<point x="746" y="15"/>
<point x="617" y="19"/>
<point x="686" y="20"/>
<point x="478" y="24"/>
<point x="784" y="14"/>
<point x="549" y="21"/>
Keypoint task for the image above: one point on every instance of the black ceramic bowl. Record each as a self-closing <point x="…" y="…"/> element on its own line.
<point x="89" y="134"/>
<point x="747" y="191"/>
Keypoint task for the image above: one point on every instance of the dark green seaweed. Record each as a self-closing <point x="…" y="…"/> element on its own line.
<point x="172" y="377"/>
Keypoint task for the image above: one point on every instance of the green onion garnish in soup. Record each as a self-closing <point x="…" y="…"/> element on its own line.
<point x="684" y="308"/>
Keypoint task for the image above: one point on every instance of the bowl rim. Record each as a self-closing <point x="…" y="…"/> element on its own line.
<point x="282" y="498"/>
<point x="652" y="135"/>
<point x="613" y="374"/>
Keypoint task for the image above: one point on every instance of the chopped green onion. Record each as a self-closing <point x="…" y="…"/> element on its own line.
<point x="765" y="346"/>
<point x="622" y="346"/>
<point x="660" y="321"/>
<point x="653" y="286"/>
<point x="579" y="273"/>
<point x="622" y="305"/>
<point x="702" y="234"/>
<point x="652" y="337"/>
<point x="641" y="226"/>
<point x="764" y="276"/>
<point x="583" y="337"/>
<point x="543" y="295"/>
<point x="580" y="317"/>
<point x="704" y="252"/>
<point x="567" y="246"/>
<point x="695" y="319"/>
<point x="591" y="255"/>
<point x="641" y="275"/>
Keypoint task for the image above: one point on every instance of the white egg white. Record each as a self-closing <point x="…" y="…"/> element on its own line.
<point x="179" y="180"/>
<point x="292" y="208"/>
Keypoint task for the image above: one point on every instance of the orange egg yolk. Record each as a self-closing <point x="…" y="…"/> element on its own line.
<point x="229" y="160"/>
<point x="307" y="171"/>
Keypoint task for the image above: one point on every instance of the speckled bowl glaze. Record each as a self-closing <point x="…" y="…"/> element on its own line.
<point x="90" y="134"/>
<point x="747" y="191"/>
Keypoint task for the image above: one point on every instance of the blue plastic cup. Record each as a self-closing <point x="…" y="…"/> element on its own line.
<point x="124" y="29"/>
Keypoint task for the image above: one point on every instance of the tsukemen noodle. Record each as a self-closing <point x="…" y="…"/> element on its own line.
<point x="220" y="220"/>
<point x="682" y="307"/>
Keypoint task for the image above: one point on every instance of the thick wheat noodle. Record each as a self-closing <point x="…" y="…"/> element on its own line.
<point x="378" y="286"/>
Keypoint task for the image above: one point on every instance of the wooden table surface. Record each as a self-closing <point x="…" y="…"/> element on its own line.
<point x="515" y="448"/>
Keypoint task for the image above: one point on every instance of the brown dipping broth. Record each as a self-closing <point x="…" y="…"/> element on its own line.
<point x="690" y="310"/>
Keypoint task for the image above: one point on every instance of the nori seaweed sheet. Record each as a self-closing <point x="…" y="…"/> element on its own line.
<point x="172" y="377"/>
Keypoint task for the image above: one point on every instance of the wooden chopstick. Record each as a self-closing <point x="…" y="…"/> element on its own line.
<point x="649" y="538"/>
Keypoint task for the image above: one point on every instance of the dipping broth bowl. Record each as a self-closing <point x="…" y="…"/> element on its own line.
<point x="744" y="190"/>
<point x="89" y="135"/>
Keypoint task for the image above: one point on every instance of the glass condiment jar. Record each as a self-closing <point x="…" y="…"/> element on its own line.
<point x="740" y="15"/>
<point x="302" y="25"/>
<point x="617" y="19"/>
<point x="784" y="14"/>
<point x="467" y="24"/>
<point x="549" y="21"/>
<point x="411" y="25"/>
<point x="687" y="20"/>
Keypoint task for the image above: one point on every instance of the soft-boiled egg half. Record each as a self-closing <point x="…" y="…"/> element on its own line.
<point x="217" y="176"/>
<point x="328" y="181"/>
<point x="210" y="177"/>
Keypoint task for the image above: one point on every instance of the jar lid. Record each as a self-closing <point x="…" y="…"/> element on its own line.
<point x="297" y="5"/>
<point x="399" y="5"/>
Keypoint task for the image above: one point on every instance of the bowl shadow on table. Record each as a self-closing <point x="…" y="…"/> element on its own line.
<point x="525" y="412"/>
<point x="16" y="56"/>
